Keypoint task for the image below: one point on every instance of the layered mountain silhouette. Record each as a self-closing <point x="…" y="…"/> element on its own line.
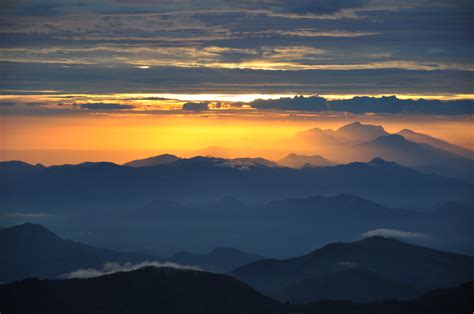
<point x="300" y="161"/>
<point x="362" y="142"/>
<point x="288" y="226"/>
<point x="220" y="260"/>
<point x="31" y="250"/>
<point x="169" y="290"/>
<point x="100" y="184"/>
<point x="390" y="268"/>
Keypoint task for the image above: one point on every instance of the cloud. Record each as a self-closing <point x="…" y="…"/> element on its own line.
<point x="196" y="106"/>
<point x="110" y="268"/>
<point x="28" y="215"/>
<point x="393" y="233"/>
<point x="6" y="103"/>
<point x="105" y="106"/>
<point x="367" y="104"/>
<point x="126" y="79"/>
<point x="317" y="6"/>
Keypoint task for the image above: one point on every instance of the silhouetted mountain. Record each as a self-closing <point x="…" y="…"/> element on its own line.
<point x="300" y="161"/>
<point x="153" y="161"/>
<point x="390" y="260"/>
<point x="147" y="290"/>
<point x="219" y="260"/>
<point x="435" y="142"/>
<point x="19" y="169"/>
<point x="99" y="184"/>
<point x="31" y="250"/>
<point x="360" y="142"/>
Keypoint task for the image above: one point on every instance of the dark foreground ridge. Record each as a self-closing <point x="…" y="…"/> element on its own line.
<point x="169" y="290"/>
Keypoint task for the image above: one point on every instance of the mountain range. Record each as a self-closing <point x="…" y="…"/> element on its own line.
<point x="105" y="184"/>
<point x="361" y="142"/>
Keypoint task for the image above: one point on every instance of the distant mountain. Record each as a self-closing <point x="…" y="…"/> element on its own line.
<point x="219" y="260"/>
<point x="147" y="290"/>
<point x="169" y="290"/>
<point x="390" y="263"/>
<point x="300" y="161"/>
<point x="153" y="161"/>
<point x="31" y="250"/>
<point x="361" y="142"/>
<point x="435" y="142"/>
<point x="396" y="147"/>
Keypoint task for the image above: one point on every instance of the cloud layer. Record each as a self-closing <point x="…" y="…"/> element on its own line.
<point x="393" y="233"/>
<point x="110" y="268"/>
<point x="338" y="45"/>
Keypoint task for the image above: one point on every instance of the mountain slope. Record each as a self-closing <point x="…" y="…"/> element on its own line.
<point x="435" y="142"/>
<point x="30" y="250"/>
<point x="396" y="147"/>
<point x="354" y="284"/>
<point x="390" y="259"/>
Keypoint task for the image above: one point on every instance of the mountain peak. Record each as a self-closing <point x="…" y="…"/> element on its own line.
<point x="378" y="161"/>
<point x="31" y="230"/>
<point x="357" y="131"/>
<point x="153" y="161"/>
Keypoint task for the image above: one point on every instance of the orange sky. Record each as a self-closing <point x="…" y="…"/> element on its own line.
<point x="121" y="137"/>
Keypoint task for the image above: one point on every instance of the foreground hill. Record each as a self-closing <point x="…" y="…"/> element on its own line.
<point x="148" y="290"/>
<point x="30" y="250"/>
<point x="169" y="290"/>
<point x="382" y="262"/>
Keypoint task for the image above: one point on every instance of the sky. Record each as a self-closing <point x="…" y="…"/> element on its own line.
<point x="108" y="67"/>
